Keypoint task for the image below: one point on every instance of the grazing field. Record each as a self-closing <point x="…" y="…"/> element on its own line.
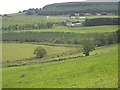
<point x="90" y="29"/>
<point x="18" y="51"/>
<point x="22" y="19"/>
<point x="95" y="71"/>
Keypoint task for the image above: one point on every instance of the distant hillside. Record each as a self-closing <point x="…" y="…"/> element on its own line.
<point x="75" y="7"/>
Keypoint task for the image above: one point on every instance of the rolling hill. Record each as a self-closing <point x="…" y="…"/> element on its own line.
<point x="95" y="71"/>
<point x="75" y="7"/>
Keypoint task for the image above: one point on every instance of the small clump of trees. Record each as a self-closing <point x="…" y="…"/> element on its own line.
<point x="87" y="46"/>
<point x="39" y="52"/>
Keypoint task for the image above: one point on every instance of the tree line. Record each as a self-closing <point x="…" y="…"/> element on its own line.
<point x="101" y="21"/>
<point x="28" y="26"/>
<point x="100" y="39"/>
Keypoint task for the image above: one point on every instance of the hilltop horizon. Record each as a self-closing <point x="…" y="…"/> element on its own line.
<point x="31" y="5"/>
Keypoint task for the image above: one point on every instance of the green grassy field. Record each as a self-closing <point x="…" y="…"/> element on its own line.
<point x="95" y="71"/>
<point x="18" y="51"/>
<point x="22" y="19"/>
<point x="99" y="70"/>
<point x="92" y="29"/>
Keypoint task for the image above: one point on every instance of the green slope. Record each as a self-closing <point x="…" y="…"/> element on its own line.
<point x="96" y="71"/>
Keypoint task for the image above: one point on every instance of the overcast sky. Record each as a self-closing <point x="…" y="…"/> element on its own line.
<point x="13" y="6"/>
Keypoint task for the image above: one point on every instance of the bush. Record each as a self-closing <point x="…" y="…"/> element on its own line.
<point x="87" y="46"/>
<point x="39" y="52"/>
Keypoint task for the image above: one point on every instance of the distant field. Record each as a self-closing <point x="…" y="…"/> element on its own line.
<point x="96" y="71"/>
<point x="18" y="51"/>
<point x="90" y="29"/>
<point x="102" y="16"/>
<point x="22" y="19"/>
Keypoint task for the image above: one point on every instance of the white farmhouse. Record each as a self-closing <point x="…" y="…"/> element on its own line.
<point x="98" y="14"/>
<point x="77" y="14"/>
<point x="73" y="24"/>
<point x="70" y="24"/>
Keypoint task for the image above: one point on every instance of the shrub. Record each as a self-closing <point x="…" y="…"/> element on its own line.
<point x="87" y="46"/>
<point x="39" y="52"/>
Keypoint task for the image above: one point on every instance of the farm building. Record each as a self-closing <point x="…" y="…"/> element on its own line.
<point x="77" y="14"/>
<point x="73" y="24"/>
<point x="98" y="14"/>
<point x="70" y="24"/>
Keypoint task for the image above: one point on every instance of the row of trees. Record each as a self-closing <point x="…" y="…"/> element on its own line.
<point x="101" y="21"/>
<point x="99" y="39"/>
<point x="28" y="26"/>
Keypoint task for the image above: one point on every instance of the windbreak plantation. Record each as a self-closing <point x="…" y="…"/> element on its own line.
<point x="62" y="45"/>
